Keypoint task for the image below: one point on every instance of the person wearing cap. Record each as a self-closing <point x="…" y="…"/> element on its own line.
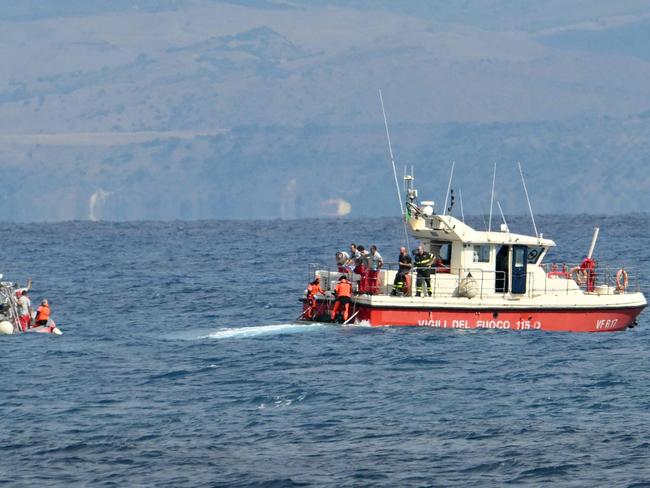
<point x="42" y="314"/>
<point x="313" y="289"/>
<point x="343" y="292"/>
<point x="24" y="307"/>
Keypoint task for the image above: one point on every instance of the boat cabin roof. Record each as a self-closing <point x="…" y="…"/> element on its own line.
<point x="447" y="228"/>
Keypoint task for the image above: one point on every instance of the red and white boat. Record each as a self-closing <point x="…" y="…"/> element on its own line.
<point x="490" y="280"/>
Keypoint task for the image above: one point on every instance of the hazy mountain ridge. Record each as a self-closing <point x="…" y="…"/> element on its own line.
<point x="293" y="86"/>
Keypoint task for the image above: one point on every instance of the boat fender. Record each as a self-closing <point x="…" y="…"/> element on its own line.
<point x="621" y="280"/>
<point x="468" y="287"/>
<point x="6" y="328"/>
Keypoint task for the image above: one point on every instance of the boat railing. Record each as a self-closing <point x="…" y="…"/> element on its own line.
<point x="540" y="280"/>
<point x="444" y="281"/>
<point x="602" y="280"/>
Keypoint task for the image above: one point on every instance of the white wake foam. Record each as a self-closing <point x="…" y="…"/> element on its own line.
<point x="261" y="330"/>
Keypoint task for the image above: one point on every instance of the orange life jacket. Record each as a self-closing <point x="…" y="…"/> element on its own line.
<point x="313" y="289"/>
<point x="43" y="313"/>
<point x="343" y="289"/>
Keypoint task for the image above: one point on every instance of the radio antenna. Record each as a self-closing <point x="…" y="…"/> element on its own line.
<point x="494" y="177"/>
<point x="460" y="195"/>
<point x="451" y="176"/>
<point x="501" y="211"/>
<point x="392" y="162"/>
<point x="523" y="182"/>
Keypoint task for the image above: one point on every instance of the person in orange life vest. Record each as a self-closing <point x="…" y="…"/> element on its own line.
<point x="313" y="289"/>
<point x="24" y="309"/>
<point x="343" y="293"/>
<point x="42" y="314"/>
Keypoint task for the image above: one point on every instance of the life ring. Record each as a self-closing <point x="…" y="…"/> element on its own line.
<point x="621" y="280"/>
<point x="579" y="275"/>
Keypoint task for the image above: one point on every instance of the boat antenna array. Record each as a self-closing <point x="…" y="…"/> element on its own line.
<point x="392" y="162"/>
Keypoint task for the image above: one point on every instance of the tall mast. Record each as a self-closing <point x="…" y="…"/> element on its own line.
<point x="392" y="162"/>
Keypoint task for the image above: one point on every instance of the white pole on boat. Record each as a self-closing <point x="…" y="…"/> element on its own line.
<point x="593" y="242"/>
<point x="351" y="318"/>
<point x="392" y="162"/>
<point x="530" y="208"/>
<point x="462" y="212"/>
<point x="494" y="177"/>
<point x="451" y="176"/>
<point x="501" y="211"/>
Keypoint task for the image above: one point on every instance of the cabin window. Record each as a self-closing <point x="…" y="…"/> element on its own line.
<point x="481" y="254"/>
<point x="519" y="257"/>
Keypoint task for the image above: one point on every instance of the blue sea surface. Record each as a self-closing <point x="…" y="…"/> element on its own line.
<point x="181" y="365"/>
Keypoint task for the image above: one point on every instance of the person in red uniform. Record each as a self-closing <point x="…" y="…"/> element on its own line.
<point x="313" y="289"/>
<point x="361" y="268"/>
<point x="343" y="293"/>
<point x="42" y="314"/>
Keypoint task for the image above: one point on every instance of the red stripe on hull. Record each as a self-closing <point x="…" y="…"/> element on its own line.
<point x="566" y="320"/>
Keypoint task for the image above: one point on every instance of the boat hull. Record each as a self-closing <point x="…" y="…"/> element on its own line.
<point x="597" y="319"/>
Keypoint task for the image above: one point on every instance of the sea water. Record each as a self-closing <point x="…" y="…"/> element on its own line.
<point x="181" y="365"/>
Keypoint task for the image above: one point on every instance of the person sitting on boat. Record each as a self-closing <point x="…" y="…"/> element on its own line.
<point x="423" y="261"/>
<point x="375" y="262"/>
<point x="402" y="281"/>
<point x="313" y="289"/>
<point x="42" y="314"/>
<point x="24" y="308"/>
<point x="343" y="292"/>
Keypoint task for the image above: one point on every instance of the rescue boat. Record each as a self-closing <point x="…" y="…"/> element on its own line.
<point x="487" y="280"/>
<point x="9" y="316"/>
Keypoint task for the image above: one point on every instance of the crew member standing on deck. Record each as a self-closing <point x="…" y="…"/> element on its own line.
<point x="375" y="262"/>
<point x="402" y="282"/>
<point x="361" y="269"/>
<point x="343" y="293"/>
<point x="313" y="289"/>
<point x="24" y="308"/>
<point x="423" y="262"/>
